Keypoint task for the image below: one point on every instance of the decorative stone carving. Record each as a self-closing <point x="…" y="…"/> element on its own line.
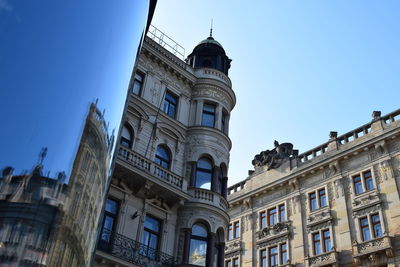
<point x="273" y="241"/>
<point x="365" y="211"/>
<point x="373" y="246"/>
<point x="326" y="259"/>
<point x="274" y="230"/>
<point x="319" y="217"/>
<point x="385" y="169"/>
<point x="274" y="158"/>
<point x="366" y="200"/>
<point x="233" y="247"/>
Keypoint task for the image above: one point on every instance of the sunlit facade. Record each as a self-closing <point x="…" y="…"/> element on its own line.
<point x="335" y="205"/>
<point x="167" y="200"/>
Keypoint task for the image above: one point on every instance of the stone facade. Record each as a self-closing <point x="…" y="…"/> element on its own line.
<point x="335" y="205"/>
<point x="166" y="144"/>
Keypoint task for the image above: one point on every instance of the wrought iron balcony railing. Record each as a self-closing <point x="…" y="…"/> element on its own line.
<point x="132" y="251"/>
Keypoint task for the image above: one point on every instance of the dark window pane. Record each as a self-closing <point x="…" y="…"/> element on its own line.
<point x="263" y="221"/>
<point x="237" y="230"/>
<point x="198" y="252"/>
<point x="204" y="164"/>
<point x="170" y="104"/>
<point x="272" y="217"/>
<point x="365" y="229"/>
<point x="322" y="198"/>
<point x="230" y="232"/>
<point x="152" y="224"/>
<point x="137" y="84"/>
<point x="163" y="157"/>
<point x="235" y="262"/>
<point x="208" y="118"/>
<point x="111" y="206"/>
<point x="369" y="185"/>
<point x="317" y="243"/>
<point x="282" y="213"/>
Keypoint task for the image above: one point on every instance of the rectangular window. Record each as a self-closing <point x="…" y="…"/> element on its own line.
<point x="273" y="256"/>
<point x="236" y="262"/>
<point x="208" y="118"/>
<point x="237" y="230"/>
<point x="151" y="236"/>
<point x="230" y="232"/>
<point x="369" y="185"/>
<point x="263" y="220"/>
<point x="313" y="201"/>
<point x="322" y="198"/>
<point x="284" y="253"/>
<point x="364" y="225"/>
<point x="316" y="238"/>
<point x="272" y="217"/>
<point x="282" y="213"/>
<point x="263" y="258"/>
<point x="376" y="225"/>
<point x="170" y="104"/>
<point x="357" y="184"/>
<point x="327" y="240"/>
<point x="138" y="83"/>
<point x="228" y="263"/>
<point x="109" y="223"/>
<point x="363" y="182"/>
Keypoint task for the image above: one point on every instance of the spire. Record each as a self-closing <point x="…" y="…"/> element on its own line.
<point x="211" y="28"/>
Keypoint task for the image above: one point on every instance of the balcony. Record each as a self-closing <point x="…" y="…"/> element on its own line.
<point x="326" y="259"/>
<point x="132" y="251"/>
<point x="371" y="248"/>
<point x="141" y="163"/>
<point x="208" y="197"/>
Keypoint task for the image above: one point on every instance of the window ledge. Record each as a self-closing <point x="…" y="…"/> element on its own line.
<point x="326" y="208"/>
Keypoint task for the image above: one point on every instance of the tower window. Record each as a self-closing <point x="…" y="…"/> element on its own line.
<point x="170" y="104"/>
<point x="198" y="245"/>
<point x="208" y="118"/>
<point x="138" y="83"/>
<point x="203" y="173"/>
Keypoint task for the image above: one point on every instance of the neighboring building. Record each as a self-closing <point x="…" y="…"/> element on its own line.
<point x="335" y="205"/>
<point x="167" y="201"/>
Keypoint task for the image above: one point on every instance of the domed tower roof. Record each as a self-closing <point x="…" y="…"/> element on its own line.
<point x="209" y="53"/>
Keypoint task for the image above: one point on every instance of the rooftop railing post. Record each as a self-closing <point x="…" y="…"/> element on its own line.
<point x="333" y="142"/>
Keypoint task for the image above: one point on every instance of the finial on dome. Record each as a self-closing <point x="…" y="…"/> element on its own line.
<point x="211" y="28"/>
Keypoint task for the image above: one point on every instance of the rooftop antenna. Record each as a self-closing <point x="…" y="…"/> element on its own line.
<point x="211" y="28"/>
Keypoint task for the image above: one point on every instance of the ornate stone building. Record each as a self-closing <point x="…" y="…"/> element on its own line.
<point x="167" y="201"/>
<point x="335" y="205"/>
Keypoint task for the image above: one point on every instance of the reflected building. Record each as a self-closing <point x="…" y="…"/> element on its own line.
<point x="50" y="213"/>
<point x="335" y="205"/>
<point x="167" y="201"/>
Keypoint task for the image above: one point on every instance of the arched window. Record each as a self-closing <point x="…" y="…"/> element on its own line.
<point x="204" y="173"/>
<point x="163" y="157"/>
<point x="126" y="137"/>
<point x="198" y="245"/>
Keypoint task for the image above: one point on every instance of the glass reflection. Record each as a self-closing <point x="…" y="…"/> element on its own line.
<point x="57" y="59"/>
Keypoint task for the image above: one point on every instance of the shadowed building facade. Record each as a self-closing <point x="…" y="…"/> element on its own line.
<point x="167" y="201"/>
<point x="335" y="205"/>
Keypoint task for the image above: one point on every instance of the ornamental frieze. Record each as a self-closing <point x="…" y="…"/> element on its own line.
<point x="273" y="232"/>
<point x="274" y="241"/>
<point x="319" y="220"/>
<point x="368" y="200"/>
<point x="214" y="92"/>
<point x="325" y="259"/>
<point x="373" y="246"/>
<point x="367" y="210"/>
<point x="233" y="246"/>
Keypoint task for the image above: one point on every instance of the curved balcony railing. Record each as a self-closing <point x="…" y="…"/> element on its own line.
<point x="208" y="197"/>
<point x="132" y="251"/>
<point x="140" y="162"/>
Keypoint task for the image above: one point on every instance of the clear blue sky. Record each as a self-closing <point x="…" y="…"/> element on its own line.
<point x="300" y="68"/>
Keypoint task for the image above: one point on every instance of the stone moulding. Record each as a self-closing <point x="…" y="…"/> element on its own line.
<point x="274" y="234"/>
<point x="326" y="259"/>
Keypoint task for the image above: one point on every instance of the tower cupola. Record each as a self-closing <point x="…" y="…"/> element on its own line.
<point x="209" y="53"/>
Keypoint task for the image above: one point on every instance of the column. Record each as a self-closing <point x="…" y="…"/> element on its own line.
<point x="186" y="245"/>
<point x="218" y="116"/>
<point x="221" y="255"/>
<point x="225" y="187"/>
<point x="199" y="112"/>
<point x="192" y="181"/>
<point x="214" y="182"/>
<point x="210" y="249"/>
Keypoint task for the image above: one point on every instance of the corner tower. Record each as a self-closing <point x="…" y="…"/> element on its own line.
<point x="203" y="220"/>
